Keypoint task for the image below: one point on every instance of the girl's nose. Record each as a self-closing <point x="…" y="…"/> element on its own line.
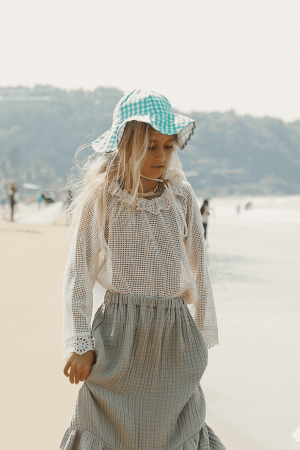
<point x="160" y="153"/>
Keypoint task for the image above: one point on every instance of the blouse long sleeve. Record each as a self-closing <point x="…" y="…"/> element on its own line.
<point x="203" y="309"/>
<point x="79" y="280"/>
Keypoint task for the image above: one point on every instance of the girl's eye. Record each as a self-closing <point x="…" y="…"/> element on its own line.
<point x="166" y="146"/>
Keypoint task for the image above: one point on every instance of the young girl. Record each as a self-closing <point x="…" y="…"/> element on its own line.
<point x="139" y="234"/>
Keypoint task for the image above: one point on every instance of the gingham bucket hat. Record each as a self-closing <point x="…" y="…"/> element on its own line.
<point x="148" y="107"/>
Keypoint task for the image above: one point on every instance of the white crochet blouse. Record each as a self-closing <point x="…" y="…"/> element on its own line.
<point x="147" y="255"/>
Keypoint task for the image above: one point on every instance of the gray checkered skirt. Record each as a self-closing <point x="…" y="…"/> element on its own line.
<point x="143" y="391"/>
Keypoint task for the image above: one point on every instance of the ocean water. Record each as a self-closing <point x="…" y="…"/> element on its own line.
<point x="252" y="383"/>
<point x="32" y="213"/>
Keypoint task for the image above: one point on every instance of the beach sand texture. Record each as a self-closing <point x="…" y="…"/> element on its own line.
<point x="252" y="380"/>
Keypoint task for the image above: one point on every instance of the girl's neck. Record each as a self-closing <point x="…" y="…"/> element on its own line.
<point x="148" y="185"/>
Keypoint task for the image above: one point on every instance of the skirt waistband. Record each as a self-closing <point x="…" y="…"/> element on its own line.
<point x="143" y="301"/>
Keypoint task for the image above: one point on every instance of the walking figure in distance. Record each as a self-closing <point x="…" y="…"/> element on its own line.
<point x="138" y="233"/>
<point x="12" y="189"/>
<point x="205" y="213"/>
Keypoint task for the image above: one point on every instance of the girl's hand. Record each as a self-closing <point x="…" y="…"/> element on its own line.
<point x="79" y="366"/>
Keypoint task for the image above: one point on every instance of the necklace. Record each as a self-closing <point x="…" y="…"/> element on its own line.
<point x="157" y="191"/>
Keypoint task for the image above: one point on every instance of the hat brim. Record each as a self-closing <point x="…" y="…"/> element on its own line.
<point x="168" y="124"/>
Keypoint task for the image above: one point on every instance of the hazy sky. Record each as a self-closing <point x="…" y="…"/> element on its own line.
<point x="210" y="55"/>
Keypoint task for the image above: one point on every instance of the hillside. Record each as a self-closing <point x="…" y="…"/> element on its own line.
<point x="41" y="128"/>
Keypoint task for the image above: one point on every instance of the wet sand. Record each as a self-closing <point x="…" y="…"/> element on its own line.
<point x="252" y="383"/>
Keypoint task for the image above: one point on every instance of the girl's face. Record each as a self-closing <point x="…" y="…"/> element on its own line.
<point x="160" y="149"/>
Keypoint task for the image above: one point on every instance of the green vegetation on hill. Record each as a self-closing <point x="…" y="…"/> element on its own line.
<point x="229" y="154"/>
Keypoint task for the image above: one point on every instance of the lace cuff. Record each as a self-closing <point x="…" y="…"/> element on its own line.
<point x="79" y="345"/>
<point x="210" y="337"/>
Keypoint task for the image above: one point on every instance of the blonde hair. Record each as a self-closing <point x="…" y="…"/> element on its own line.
<point x="123" y="166"/>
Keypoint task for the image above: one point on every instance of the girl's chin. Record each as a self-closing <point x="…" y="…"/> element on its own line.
<point x="153" y="170"/>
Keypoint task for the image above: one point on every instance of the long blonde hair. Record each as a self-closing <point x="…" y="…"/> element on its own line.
<point x="123" y="166"/>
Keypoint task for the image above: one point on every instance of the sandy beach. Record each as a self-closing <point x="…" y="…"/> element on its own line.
<point x="36" y="397"/>
<point x="252" y="381"/>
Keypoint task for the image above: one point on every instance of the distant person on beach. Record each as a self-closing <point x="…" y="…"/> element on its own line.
<point x="40" y="200"/>
<point x="47" y="199"/>
<point x="68" y="198"/>
<point x="138" y="233"/>
<point x="12" y="189"/>
<point x="205" y="213"/>
<point x="67" y="201"/>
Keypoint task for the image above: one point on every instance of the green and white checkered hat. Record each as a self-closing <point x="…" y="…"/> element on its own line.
<point x="148" y="107"/>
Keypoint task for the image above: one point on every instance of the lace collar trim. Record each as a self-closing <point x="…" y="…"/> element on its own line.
<point x="154" y="205"/>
